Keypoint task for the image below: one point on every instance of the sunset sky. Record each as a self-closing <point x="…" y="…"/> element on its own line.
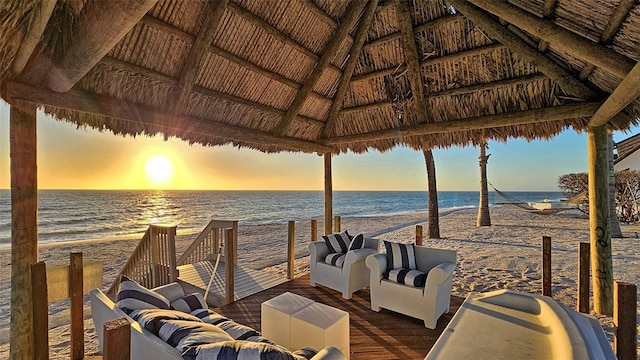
<point x="71" y="158"/>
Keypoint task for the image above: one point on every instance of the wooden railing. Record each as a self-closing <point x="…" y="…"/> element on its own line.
<point x="153" y="262"/>
<point x="205" y="246"/>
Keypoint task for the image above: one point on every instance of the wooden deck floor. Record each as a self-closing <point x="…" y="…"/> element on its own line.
<point x="383" y="335"/>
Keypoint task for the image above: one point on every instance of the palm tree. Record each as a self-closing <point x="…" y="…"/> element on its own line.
<point x="433" y="224"/>
<point x="484" y="219"/>
<point x="614" y="224"/>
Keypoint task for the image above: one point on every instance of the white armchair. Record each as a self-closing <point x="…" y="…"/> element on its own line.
<point x="351" y="277"/>
<point x="426" y="303"/>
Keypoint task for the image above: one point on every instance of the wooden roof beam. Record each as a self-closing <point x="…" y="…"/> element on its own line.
<point x="422" y="27"/>
<point x="545" y="65"/>
<point x="96" y="32"/>
<point x="554" y="113"/>
<point x="325" y="60"/>
<point x="609" y="32"/>
<point x="345" y="79"/>
<point x="43" y="10"/>
<point x="557" y="36"/>
<point x="623" y="95"/>
<point x="411" y="57"/>
<point x="214" y="11"/>
<point x="549" y="7"/>
<point x="76" y="100"/>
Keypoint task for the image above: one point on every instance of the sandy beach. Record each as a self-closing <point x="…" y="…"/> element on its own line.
<point x="504" y="255"/>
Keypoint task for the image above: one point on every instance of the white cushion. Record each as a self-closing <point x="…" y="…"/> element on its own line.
<point x="172" y="291"/>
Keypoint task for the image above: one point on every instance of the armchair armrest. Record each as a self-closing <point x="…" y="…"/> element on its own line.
<point x="358" y="255"/>
<point x="440" y="273"/>
<point x="378" y="265"/>
<point x="318" y="250"/>
<point x="329" y="353"/>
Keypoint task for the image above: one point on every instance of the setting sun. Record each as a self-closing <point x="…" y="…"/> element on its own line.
<point x="159" y="169"/>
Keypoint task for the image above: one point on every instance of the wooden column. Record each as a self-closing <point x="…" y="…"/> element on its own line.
<point x="117" y="340"/>
<point x="328" y="194"/>
<point x="583" y="278"/>
<point x="24" y="224"/>
<point x="546" y="265"/>
<point x="336" y="224"/>
<point x="40" y="312"/>
<point x="314" y="230"/>
<point x="419" y="235"/>
<point x="624" y="319"/>
<point x="600" y="236"/>
<point x="291" y="254"/>
<point x="229" y="276"/>
<point x="76" y="281"/>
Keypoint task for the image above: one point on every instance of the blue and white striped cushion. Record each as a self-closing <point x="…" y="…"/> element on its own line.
<point x="400" y="256"/>
<point x="408" y="277"/>
<point x="337" y="243"/>
<point x="239" y="350"/>
<point x="242" y="332"/>
<point x="182" y="334"/>
<point x="189" y="303"/>
<point x="151" y="319"/>
<point x="133" y="296"/>
<point x="335" y="259"/>
<point x="357" y="242"/>
<point x="209" y="316"/>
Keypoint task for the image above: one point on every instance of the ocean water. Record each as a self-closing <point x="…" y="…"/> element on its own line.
<point x="70" y="215"/>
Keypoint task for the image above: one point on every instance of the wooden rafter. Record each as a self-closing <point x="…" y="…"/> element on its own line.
<point x="419" y="28"/>
<point x="345" y="79"/>
<point x="96" y="31"/>
<point x="411" y="57"/>
<point x="623" y="95"/>
<point x="545" y="65"/>
<point x="325" y="60"/>
<point x="214" y="10"/>
<point x="77" y="100"/>
<point x="558" y="37"/>
<point x="483" y="122"/>
<point x="609" y="32"/>
<point x="43" y="10"/>
<point x="549" y="7"/>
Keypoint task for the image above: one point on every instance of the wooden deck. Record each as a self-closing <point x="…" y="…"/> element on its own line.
<point x="383" y="335"/>
<point x="195" y="278"/>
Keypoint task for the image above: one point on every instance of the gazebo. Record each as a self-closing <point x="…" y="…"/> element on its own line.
<point x="317" y="76"/>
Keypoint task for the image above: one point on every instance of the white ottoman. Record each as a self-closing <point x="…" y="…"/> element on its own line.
<point x="319" y="325"/>
<point x="275" y="317"/>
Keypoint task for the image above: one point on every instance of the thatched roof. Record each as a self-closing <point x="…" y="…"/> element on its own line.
<point x="324" y="75"/>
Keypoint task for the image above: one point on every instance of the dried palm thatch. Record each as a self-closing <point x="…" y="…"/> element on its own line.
<point x="321" y="75"/>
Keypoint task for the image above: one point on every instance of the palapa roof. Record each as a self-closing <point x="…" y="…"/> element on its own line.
<point x="325" y="75"/>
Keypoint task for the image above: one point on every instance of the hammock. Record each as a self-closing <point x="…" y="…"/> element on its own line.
<point x="574" y="201"/>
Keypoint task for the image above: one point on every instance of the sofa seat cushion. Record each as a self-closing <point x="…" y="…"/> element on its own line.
<point x="151" y="319"/>
<point x="410" y="277"/>
<point x="238" y="349"/>
<point x="335" y="259"/>
<point x="235" y="330"/>
<point x="133" y="296"/>
<point x="182" y="334"/>
<point x="190" y="302"/>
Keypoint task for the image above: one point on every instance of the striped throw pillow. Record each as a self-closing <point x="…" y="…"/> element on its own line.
<point x="408" y="277"/>
<point x="242" y="332"/>
<point x="133" y="296"/>
<point x="357" y="242"/>
<point x="209" y="316"/>
<point x="400" y="256"/>
<point x="152" y="319"/>
<point x="183" y="334"/>
<point x="239" y="350"/>
<point x="337" y="243"/>
<point x="189" y="303"/>
<point x="335" y="259"/>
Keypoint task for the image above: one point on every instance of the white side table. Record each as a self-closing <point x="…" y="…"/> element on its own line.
<point x="319" y="325"/>
<point x="275" y="318"/>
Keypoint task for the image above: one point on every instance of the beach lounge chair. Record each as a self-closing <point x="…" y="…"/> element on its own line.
<point x="427" y="299"/>
<point x="348" y="276"/>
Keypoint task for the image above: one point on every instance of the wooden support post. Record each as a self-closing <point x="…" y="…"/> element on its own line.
<point x="171" y="245"/>
<point x="155" y="256"/>
<point x="546" y="265"/>
<point x="314" y="230"/>
<point x="336" y="224"/>
<point x="419" y="235"/>
<point x="291" y="254"/>
<point x="229" y="283"/>
<point x="117" y="340"/>
<point x="624" y="319"/>
<point x="328" y="194"/>
<point x="76" y="286"/>
<point x="583" y="278"/>
<point x="40" y="312"/>
<point x="600" y="235"/>
<point x="24" y="225"/>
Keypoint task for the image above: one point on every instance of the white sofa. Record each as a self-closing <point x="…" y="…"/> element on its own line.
<point x="427" y="303"/>
<point x="351" y="277"/>
<point x="144" y="344"/>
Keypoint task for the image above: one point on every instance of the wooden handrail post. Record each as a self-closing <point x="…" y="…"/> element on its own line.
<point x="40" y="312"/>
<point x="228" y="267"/>
<point x="419" y="235"/>
<point x="624" y="319"/>
<point x="291" y="255"/>
<point x="336" y="224"/>
<point x="584" y="259"/>
<point x="76" y="287"/>
<point x="314" y="230"/>
<point x="117" y="340"/>
<point x="173" y="266"/>
<point x="155" y="255"/>
<point x="546" y="265"/>
<point x="235" y="242"/>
